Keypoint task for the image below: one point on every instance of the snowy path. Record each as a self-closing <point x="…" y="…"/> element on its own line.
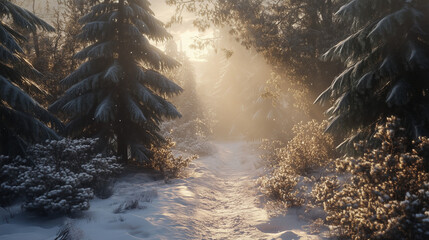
<point x="224" y="190"/>
<point x="217" y="201"/>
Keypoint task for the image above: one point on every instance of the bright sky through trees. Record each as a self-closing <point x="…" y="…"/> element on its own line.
<point x="185" y="33"/>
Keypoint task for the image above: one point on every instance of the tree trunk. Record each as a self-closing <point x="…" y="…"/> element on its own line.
<point x="327" y="16"/>
<point x="35" y="36"/>
<point x="122" y="151"/>
<point x="120" y="131"/>
<point x="36" y="44"/>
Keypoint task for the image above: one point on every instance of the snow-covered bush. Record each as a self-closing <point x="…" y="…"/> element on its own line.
<point x="309" y="149"/>
<point x="169" y="165"/>
<point x="190" y="136"/>
<point x="387" y="196"/>
<point x="324" y="189"/>
<point x="10" y="189"/>
<point x="58" y="176"/>
<point x="281" y="186"/>
<point x="270" y="152"/>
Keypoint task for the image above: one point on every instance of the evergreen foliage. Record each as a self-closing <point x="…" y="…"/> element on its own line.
<point x="22" y="119"/>
<point x="118" y="93"/>
<point x="387" y="59"/>
<point x="57" y="176"/>
<point x="55" y="51"/>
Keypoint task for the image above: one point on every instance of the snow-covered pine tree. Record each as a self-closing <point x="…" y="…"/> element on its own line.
<point x="387" y="60"/>
<point x="116" y="95"/>
<point x="22" y="119"/>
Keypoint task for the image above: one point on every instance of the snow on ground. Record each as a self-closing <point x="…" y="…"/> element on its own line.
<point x="218" y="200"/>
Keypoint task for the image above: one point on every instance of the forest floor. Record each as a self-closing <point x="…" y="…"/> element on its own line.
<point x="217" y="200"/>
